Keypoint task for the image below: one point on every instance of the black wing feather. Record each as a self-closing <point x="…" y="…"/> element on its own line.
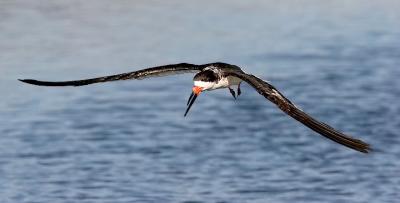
<point x="158" y="71"/>
<point x="272" y="94"/>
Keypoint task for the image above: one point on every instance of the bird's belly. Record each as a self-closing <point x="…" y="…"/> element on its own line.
<point x="223" y="83"/>
<point x="227" y="82"/>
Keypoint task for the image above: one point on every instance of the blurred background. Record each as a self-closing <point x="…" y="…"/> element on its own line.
<point x="128" y="141"/>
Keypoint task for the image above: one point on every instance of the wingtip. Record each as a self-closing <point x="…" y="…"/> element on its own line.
<point x="24" y="80"/>
<point x="365" y="148"/>
<point x="368" y="149"/>
<point x="29" y="81"/>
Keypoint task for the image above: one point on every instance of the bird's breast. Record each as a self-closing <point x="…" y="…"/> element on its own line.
<point x="224" y="82"/>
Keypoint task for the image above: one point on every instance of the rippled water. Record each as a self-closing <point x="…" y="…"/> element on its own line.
<point x="128" y="141"/>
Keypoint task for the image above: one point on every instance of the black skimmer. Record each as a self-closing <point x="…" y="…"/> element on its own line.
<point x="221" y="75"/>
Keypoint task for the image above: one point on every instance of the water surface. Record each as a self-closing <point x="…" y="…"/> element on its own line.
<point x="128" y="141"/>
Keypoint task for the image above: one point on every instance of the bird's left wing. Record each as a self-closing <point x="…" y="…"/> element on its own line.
<point x="272" y="94"/>
<point x="158" y="71"/>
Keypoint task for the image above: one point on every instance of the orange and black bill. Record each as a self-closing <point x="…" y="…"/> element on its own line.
<point x="195" y="93"/>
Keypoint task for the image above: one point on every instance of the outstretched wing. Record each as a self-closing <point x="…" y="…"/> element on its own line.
<point x="272" y="94"/>
<point x="158" y="71"/>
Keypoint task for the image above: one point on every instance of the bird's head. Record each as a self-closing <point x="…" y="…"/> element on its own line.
<point x="203" y="81"/>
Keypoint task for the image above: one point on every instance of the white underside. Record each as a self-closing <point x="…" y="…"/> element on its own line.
<point x="223" y="83"/>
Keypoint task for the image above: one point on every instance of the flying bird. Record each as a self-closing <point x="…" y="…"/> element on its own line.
<point x="219" y="75"/>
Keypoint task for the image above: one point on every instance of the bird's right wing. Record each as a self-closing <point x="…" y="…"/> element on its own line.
<point x="158" y="71"/>
<point x="273" y="95"/>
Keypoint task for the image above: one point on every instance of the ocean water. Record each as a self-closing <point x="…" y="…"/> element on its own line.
<point x="128" y="141"/>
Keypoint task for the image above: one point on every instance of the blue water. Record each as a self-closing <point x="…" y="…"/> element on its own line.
<point x="129" y="142"/>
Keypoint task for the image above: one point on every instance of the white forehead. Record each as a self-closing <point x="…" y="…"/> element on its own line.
<point x="204" y="85"/>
